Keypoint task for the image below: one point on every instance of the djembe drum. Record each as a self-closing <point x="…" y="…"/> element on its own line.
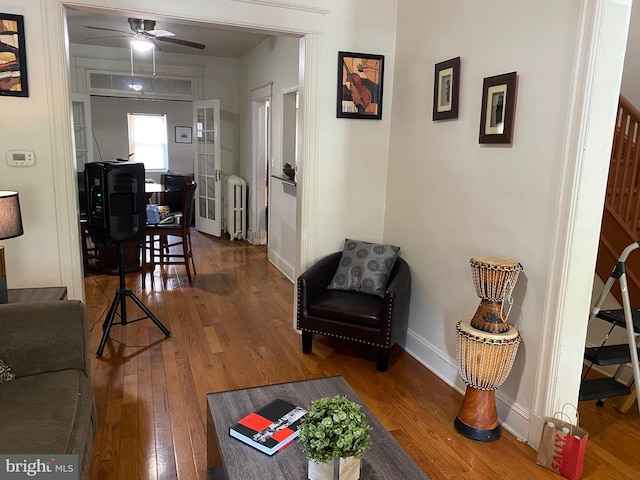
<point x="494" y="279"/>
<point x="484" y="360"/>
<point x="487" y="347"/>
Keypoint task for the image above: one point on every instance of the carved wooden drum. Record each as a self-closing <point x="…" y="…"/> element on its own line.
<point x="494" y="280"/>
<point x="485" y="359"/>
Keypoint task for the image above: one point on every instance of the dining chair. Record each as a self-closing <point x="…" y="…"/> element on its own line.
<point x="93" y="256"/>
<point x="172" y="196"/>
<point x="160" y="249"/>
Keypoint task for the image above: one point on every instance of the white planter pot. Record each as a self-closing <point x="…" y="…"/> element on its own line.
<point x="338" y="469"/>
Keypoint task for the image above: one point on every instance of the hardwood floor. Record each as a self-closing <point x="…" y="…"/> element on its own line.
<point x="232" y="328"/>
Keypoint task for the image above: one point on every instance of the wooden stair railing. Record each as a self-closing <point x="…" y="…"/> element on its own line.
<point x="621" y="216"/>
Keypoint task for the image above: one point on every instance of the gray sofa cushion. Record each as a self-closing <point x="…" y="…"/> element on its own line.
<point x="49" y="413"/>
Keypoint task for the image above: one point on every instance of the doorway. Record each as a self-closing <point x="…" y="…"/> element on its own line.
<point x="261" y="153"/>
<point x="258" y="192"/>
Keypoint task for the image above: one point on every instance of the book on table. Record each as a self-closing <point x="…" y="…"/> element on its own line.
<point x="270" y="428"/>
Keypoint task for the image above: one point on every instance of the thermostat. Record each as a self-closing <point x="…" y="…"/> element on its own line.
<point x="21" y="158"/>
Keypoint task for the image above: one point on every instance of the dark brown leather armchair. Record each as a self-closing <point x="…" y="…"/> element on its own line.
<point x="355" y="316"/>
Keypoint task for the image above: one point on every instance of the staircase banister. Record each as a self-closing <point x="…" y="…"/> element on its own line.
<point x="629" y="107"/>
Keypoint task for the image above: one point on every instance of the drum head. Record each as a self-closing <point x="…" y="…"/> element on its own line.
<point x="511" y="334"/>
<point x="496" y="262"/>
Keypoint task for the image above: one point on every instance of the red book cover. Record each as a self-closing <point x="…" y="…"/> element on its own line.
<point x="271" y="428"/>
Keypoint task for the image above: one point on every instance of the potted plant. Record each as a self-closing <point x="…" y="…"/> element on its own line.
<point x="334" y="434"/>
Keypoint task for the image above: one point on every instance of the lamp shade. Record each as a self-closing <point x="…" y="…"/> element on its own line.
<point x="10" y="218"/>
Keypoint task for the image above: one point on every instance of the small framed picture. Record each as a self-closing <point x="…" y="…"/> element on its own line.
<point x="183" y="134"/>
<point x="360" y="85"/>
<point x="498" y="108"/>
<point x="13" y="59"/>
<point x="446" y="85"/>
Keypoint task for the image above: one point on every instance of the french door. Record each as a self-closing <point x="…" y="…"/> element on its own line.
<point x="208" y="175"/>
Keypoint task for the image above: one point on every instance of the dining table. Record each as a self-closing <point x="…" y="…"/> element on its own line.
<point x="153" y="188"/>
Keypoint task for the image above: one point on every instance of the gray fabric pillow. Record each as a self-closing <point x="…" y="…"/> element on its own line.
<point x="364" y="267"/>
<point x="5" y="372"/>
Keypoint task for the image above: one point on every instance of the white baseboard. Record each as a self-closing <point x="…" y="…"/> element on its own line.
<point x="513" y="418"/>
<point x="281" y="264"/>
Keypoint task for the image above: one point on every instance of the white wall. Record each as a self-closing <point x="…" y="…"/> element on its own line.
<point x="352" y="158"/>
<point x="32" y="259"/>
<point x="451" y="199"/>
<point x="631" y="76"/>
<point x="110" y="129"/>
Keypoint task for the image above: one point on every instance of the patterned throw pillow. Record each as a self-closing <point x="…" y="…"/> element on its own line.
<point x="364" y="267"/>
<point x="5" y="372"/>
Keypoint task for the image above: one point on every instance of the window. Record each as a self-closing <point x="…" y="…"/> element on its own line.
<point x="148" y="140"/>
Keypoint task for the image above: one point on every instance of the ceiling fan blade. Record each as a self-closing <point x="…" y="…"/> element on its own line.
<point x="178" y="41"/>
<point x="161" y="33"/>
<point x="107" y="29"/>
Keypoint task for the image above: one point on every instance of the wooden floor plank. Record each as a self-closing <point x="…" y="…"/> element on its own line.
<point x="232" y="328"/>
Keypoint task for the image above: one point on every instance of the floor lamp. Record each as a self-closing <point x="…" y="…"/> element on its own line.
<point x="10" y="226"/>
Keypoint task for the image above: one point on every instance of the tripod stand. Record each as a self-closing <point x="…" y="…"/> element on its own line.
<point x="121" y="299"/>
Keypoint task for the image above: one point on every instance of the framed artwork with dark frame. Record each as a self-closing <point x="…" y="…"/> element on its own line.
<point x="360" y="78"/>
<point x="183" y="134"/>
<point x="13" y="59"/>
<point x="498" y="108"/>
<point x="446" y="85"/>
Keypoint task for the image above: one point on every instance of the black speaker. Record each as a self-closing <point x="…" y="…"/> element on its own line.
<point x="116" y="201"/>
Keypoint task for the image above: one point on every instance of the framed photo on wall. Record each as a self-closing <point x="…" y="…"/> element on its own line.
<point x="360" y="78"/>
<point x="498" y="108"/>
<point x="13" y="59"/>
<point x="446" y="85"/>
<point x="183" y="134"/>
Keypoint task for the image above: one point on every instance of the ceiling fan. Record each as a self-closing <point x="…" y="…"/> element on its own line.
<point x="144" y="30"/>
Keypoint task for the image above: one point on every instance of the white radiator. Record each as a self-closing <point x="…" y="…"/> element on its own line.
<point x="236" y="207"/>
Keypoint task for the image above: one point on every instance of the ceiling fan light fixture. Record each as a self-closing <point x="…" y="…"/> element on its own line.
<point x="141" y="45"/>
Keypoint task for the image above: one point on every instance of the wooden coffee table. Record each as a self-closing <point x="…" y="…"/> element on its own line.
<point x="229" y="458"/>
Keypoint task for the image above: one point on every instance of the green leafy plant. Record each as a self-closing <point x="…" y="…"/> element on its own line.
<point x="334" y="427"/>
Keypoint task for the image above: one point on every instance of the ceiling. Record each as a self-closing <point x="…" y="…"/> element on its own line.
<point x="219" y="41"/>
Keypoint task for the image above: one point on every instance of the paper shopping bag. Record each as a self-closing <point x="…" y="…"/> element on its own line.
<point x="562" y="447"/>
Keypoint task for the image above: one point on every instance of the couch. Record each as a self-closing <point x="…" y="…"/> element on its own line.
<point x="49" y="407"/>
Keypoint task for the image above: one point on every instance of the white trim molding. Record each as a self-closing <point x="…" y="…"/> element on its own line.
<point x="65" y="188"/>
<point x="596" y="84"/>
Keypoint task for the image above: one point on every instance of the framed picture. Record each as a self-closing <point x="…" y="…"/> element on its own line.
<point x="13" y="59"/>
<point x="498" y="108"/>
<point x="183" y="134"/>
<point x="446" y="85"/>
<point x="360" y="85"/>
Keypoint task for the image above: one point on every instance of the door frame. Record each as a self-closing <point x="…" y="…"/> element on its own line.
<point x="260" y="164"/>
<point x="597" y="76"/>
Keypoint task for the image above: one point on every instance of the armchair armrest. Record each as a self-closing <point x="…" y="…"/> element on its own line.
<point x="44" y="337"/>
<point x="316" y="279"/>
<point x="397" y="299"/>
